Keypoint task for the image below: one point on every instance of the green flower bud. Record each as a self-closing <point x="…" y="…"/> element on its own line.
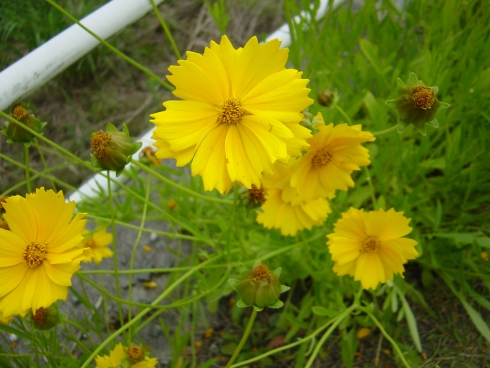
<point x="112" y="149"/>
<point x="253" y="197"/>
<point x="325" y="97"/>
<point x="259" y="287"/>
<point x="417" y="104"/>
<point x="16" y="133"/>
<point x="45" y="319"/>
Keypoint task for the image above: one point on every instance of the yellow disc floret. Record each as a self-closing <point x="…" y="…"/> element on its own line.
<point x="231" y="112"/>
<point x="35" y="254"/>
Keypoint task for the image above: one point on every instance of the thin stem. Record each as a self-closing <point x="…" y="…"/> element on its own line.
<point x="368" y="178"/>
<point x="112" y="48"/>
<point x="386" y="335"/>
<point x="28" y="175"/>
<point x="166" y="30"/>
<point x="133" y="252"/>
<point x="141" y="314"/>
<point x="178" y="186"/>
<point x="386" y="131"/>
<point x="41" y="155"/>
<point x="244" y="338"/>
<point x="292" y="32"/>
<point x="235" y="218"/>
<point x="327" y="333"/>
<point x="349" y="121"/>
<point x="114" y="241"/>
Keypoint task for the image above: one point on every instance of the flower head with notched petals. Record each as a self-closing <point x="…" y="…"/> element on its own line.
<point x="370" y="246"/>
<point x="334" y="152"/>
<point x="98" y="242"/>
<point x="132" y="357"/>
<point x="40" y="252"/>
<point x="283" y="208"/>
<point x="240" y="112"/>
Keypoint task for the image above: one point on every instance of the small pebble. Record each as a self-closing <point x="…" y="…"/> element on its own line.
<point x="125" y="284"/>
<point x="74" y="300"/>
<point x="13" y="337"/>
<point x="123" y="260"/>
<point x="214" y="349"/>
<point x="153" y="237"/>
<point x="156" y="331"/>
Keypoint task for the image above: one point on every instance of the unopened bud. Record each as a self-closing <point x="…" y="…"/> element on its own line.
<point x="16" y="133"/>
<point x="417" y="104"/>
<point x="112" y="149"/>
<point x="325" y="97"/>
<point x="259" y="287"/>
<point x="45" y="318"/>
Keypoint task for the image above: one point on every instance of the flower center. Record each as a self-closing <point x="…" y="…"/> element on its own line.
<point x="257" y="194"/>
<point x="423" y="97"/>
<point x="135" y="353"/>
<point x="99" y="141"/>
<point x="261" y="272"/>
<point x="40" y="315"/>
<point x="19" y="112"/>
<point x="322" y="158"/>
<point x="370" y="244"/>
<point x="35" y="254"/>
<point x="90" y="243"/>
<point x="231" y="112"/>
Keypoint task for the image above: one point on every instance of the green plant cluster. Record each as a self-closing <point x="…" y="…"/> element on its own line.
<point x="441" y="181"/>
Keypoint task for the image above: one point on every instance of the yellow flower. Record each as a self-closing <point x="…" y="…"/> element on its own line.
<point x="239" y="113"/>
<point x="98" y="243"/>
<point x="3" y="320"/>
<point x="369" y="246"/>
<point x="40" y="253"/>
<point x="121" y="355"/>
<point x="283" y="208"/>
<point x="335" y="151"/>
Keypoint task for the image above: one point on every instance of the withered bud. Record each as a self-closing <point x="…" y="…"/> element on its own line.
<point x="325" y="97"/>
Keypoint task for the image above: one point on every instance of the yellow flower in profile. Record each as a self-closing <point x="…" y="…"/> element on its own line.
<point x="370" y="247"/>
<point x="334" y="152"/>
<point x="240" y="112"/>
<point x="284" y="210"/>
<point x="98" y="243"/>
<point x="40" y="253"/>
<point x="132" y="357"/>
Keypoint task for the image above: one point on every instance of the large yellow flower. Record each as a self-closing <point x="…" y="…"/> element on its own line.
<point x="284" y="210"/>
<point x="98" y="242"/>
<point x="239" y="113"/>
<point x="133" y="357"/>
<point x="40" y="253"/>
<point x="334" y="152"/>
<point x="369" y="246"/>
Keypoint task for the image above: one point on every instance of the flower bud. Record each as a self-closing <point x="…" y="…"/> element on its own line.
<point x="135" y="353"/>
<point x="16" y="133"/>
<point x="45" y="318"/>
<point x="148" y="157"/>
<point x="325" y="97"/>
<point x="254" y="197"/>
<point x="417" y="104"/>
<point x="112" y="149"/>
<point x="259" y="287"/>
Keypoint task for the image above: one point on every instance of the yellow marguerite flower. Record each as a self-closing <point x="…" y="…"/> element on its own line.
<point x="369" y="245"/>
<point x="334" y="152"/>
<point x="98" y="243"/>
<point x="240" y="112"/>
<point x="283" y="208"/>
<point x="40" y="253"/>
<point x="121" y="355"/>
<point x="3" y="320"/>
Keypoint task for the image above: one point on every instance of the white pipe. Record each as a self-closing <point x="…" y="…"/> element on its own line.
<point x="283" y="32"/>
<point x="54" y="56"/>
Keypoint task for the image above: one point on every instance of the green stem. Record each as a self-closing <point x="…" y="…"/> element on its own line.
<point x="133" y="252"/>
<point x="368" y="178"/>
<point x="292" y="33"/>
<point x="141" y="314"/>
<point x="349" y="121"/>
<point x="327" y="333"/>
<point x="178" y="186"/>
<point x="166" y="30"/>
<point x="386" y="335"/>
<point x="114" y="242"/>
<point x="235" y="218"/>
<point x="386" y="131"/>
<point x="41" y="155"/>
<point x="112" y="48"/>
<point x="244" y="338"/>
<point x="28" y="175"/>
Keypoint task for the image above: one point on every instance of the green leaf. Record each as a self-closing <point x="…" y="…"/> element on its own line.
<point x="412" y="323"/>
<point x="321" y="311"/>
<point x="370" y="51"/>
